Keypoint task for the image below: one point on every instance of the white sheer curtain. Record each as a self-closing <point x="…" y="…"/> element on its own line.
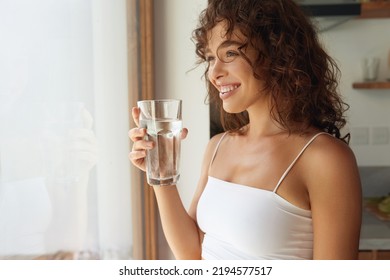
<point x="64" y="116"/>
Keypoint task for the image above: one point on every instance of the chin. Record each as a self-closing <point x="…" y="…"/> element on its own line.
<point x="232" y="109"/>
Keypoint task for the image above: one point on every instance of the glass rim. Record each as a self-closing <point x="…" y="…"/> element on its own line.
<point x="158" y="101"/>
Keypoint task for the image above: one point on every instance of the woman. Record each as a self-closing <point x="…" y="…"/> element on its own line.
<point x="281" y="182"/>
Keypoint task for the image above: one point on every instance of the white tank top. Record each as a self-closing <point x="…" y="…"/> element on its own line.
<point x="242" y="222"/>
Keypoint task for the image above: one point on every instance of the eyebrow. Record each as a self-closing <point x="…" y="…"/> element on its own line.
<point x="225" y="44"/>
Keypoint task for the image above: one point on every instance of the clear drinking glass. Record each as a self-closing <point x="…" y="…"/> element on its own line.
<point x="163" y="121"/>
<point x="370" y="68"/>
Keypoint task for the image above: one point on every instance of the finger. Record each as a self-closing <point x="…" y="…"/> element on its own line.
<point x="138" y="159"/>
<point x="136" y="134"/>
<point x="135" y="112"/>
<point x="184" y="133"/>
<point x="142" y="145"/>
<point x="136" y="155"/>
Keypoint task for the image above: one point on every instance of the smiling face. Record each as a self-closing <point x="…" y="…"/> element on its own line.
<point x="230" y="72"/>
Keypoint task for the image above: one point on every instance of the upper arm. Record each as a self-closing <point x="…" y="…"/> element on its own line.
<point x="336" y="201"/>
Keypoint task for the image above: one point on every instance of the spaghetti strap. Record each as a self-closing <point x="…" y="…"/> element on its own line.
<point x="216" y="148"/>
<point x="296" y="159"/>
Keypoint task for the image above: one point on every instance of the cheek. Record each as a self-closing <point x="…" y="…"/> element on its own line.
<point x="213" y="87"/>
<point x="243" y="70"/>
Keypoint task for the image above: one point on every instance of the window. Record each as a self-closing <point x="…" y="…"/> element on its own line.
<point x="65" y="93"/>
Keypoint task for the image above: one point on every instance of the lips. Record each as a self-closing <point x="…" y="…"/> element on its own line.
<point x="227" y="90"/>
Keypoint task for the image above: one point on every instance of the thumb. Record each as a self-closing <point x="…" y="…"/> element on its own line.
<point x="184" y="133"/>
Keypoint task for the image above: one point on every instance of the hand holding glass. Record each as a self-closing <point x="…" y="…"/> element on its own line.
<point x="163" y="122"/>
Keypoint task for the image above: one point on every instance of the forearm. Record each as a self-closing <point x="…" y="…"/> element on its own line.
<point x="180" y="230"/>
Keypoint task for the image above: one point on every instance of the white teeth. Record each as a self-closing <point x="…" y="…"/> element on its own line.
<point x="225" y="89"/>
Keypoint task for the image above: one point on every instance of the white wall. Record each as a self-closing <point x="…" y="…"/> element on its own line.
<point x="349" y="43"/>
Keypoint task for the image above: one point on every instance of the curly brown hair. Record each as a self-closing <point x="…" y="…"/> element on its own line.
<point x="301" y="78"/>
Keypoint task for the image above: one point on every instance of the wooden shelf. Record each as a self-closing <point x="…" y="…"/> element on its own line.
<point x="372" y="85"/>
<point x="376" y="9"/>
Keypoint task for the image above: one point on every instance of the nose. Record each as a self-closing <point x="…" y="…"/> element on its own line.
<point x="217" y="70"/>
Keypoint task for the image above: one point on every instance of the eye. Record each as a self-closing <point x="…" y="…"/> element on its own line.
<point x="209" y="58"/>
<point x="231" y="53"/>
<point x="228" y="55"/>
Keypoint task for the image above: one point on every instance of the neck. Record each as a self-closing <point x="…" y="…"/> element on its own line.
<point x="261" y="124"/>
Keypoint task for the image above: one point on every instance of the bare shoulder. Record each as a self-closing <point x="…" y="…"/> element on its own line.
<point x="331" y="169"/>
<point x="212" y="145"/>
<point x="216" y="138"/>
<point x="333" y="183"/>
<point x="328" y="154"/>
